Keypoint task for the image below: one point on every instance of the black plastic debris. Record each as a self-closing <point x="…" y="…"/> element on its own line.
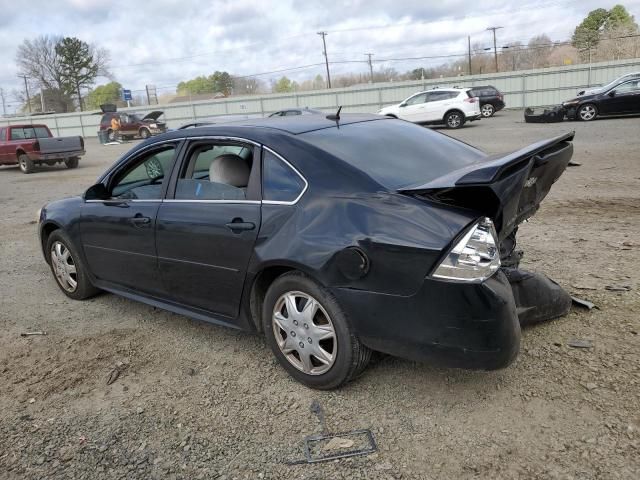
<point x="549" y="115"/>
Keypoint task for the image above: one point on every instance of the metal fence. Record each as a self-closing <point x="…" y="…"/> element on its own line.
<point x="546" y="86"/>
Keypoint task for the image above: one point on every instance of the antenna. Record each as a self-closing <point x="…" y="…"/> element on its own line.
<point x="335" y="116"/>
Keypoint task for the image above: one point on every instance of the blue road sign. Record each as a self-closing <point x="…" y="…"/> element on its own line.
<point x="126" y="95"/>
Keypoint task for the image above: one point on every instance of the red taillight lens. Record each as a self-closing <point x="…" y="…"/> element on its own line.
<point x="36" y="146"/>
<point x="471" y="99"/>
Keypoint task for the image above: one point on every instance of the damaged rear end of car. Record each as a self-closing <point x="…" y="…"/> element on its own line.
<point x="504" y="191"/>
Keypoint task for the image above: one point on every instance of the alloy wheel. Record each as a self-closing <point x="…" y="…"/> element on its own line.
<point x="64" y="267"/>
<point x="304" y="333"/>
<point x="454" y="120"/>
<point x="587" y="112"/>
<point x="487" y="110"/>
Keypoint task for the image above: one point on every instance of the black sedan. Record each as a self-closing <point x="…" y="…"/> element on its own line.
<point x="621" y="99"/>
<point x="333" y="236"/>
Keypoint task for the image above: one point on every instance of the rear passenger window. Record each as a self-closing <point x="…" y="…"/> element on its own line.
<point x="281" y="183"/>
<point x="216" y="172"/>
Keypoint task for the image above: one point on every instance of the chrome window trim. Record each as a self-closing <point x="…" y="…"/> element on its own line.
<point x="210" y="137"/>
<point x="174" y="200"/>
<point x="282" y="202"/>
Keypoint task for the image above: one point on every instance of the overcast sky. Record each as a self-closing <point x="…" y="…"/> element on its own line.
<point x="162" y="42"/>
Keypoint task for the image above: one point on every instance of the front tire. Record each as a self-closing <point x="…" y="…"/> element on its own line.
<point x="67" y="267"/>
<point x="454" y="119"/>
<point x="487" y="110"/>
<point x="26" y="164"/>
<point x="587" y="112"/>
<point x="309" y="333"/>
<point x="145" y="133"/>
<point x="72" y="162"/>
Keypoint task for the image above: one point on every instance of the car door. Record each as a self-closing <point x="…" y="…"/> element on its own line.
<point x="413" y="108"/>
<point x="118" y="234"/>
<point x="625" y="98"/>
<point x="208" y="224"/>
<point x="437" y="105"/>
<point x="3" y="145"/>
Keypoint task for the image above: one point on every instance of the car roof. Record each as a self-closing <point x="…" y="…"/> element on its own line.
<point x="25" y="125"/>
<point x="293" y="125"/>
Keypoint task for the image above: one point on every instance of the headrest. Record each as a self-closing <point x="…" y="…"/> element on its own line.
<point x="230" y="169"/>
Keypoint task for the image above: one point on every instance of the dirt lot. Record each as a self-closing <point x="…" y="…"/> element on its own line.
<point x="199" y="401"/>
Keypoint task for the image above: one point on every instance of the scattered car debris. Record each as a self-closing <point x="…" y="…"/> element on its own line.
<point x="618" y="288"/>
<point x="115" y="373"/>
<point x="29" y="334"/>
<point x="573" y="163"/>
<point x="322" y="448"/>
<point x="327" y="446"/>
<point x="580" y="343"/>
<point x="583" y="303"/>
<point x="549" y="115"/>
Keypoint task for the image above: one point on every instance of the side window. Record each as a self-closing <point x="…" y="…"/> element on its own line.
<point x="143" y="180"/>
<point x="215" y="172"/>
<point x="279" y="181"/>
<point x="3" y="133"/>
<point x="17" y="134"/>
<point x="632" y="86"/>
<point x="290" y="113"/>
<point x="416" y="99"/>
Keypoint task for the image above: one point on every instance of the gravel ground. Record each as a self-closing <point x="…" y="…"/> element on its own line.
<point x="197" y="401"/>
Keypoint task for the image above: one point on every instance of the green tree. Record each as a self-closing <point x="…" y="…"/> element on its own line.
<point x="599" y="22"/>
<point x="217" y="82"/>
<point x="109" y="93"/>
<point x="80" y="64"/>
<point x="284" y="85"/>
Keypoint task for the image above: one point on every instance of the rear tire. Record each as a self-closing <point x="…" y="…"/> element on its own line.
<point x="587" y="112"/>
<point x="26" y="164"/>
<point x="454" y="119"/>
<point x="315" y="343"/>
<point x="487" y="110"/>
<point x="72" y="162"/>
<point x="67" y="267"/>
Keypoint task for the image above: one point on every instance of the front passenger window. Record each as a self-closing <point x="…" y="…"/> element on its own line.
<point x="143" y="180"/>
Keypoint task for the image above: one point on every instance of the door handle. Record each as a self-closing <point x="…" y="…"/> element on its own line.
<point x="140" y="220"/>
<point x="238" y="225"/>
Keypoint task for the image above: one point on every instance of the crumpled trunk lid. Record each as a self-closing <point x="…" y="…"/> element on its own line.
<point x="508" y="188"/>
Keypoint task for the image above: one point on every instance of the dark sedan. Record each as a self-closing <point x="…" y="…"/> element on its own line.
<point x="621" y="99"/>
<point x="333" y="236"/>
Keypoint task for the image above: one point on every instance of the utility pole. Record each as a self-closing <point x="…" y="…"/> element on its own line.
<point x="370" y="65"/>
<point x="495" y="49"/>
<point x="326" y="59"/>
<point x="42" y="103"/>
<point x="4" y="105"/>
<point x="469" y="52"/>
<point x="26" y="90"/>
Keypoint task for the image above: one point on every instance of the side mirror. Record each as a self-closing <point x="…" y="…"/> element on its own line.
<point x="96" y="192"/>
<point x="612" y="93"/>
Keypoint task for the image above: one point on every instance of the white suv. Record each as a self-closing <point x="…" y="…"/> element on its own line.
<point x="451" y="106"/>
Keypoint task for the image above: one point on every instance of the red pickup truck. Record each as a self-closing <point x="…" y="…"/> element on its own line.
<point x="31" y="145"/>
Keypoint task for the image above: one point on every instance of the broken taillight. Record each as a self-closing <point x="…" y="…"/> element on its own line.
<point x="471" y="99"/>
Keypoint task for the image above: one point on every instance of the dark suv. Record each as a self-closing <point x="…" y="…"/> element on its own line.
<point x="491" y="100"/>
<point x="131" y="125"/>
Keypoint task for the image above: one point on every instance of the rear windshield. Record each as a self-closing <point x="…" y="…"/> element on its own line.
<point x="28" y="133"/>
<point x="395" y="153"/>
